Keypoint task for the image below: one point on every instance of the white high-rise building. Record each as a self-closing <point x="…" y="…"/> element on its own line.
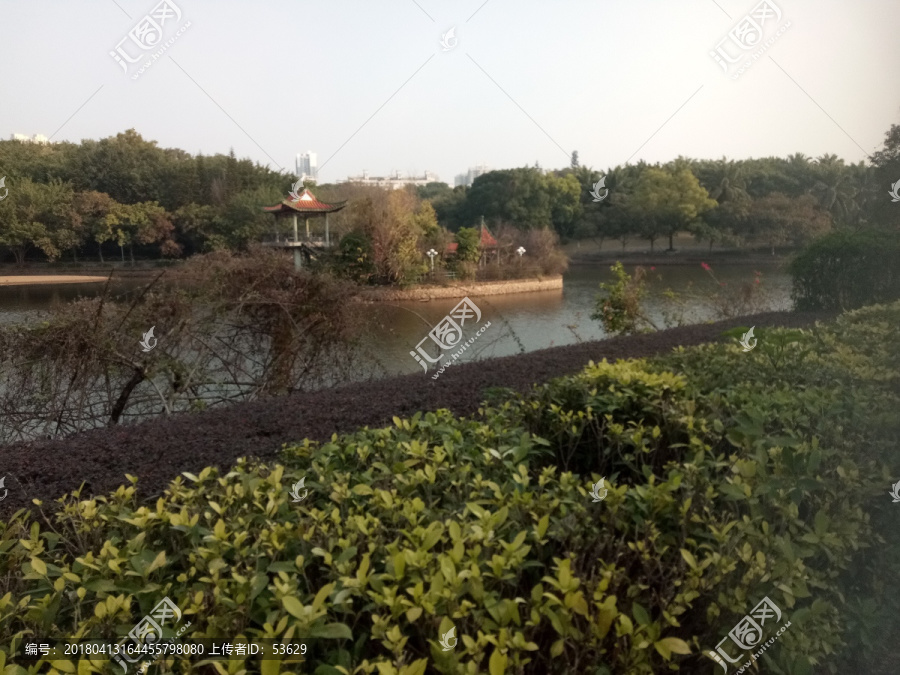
<point x="395" y="181"/>
<point x="308" y="166"/>
<point x="468" y="178"/>
<point x="37" y="138"/>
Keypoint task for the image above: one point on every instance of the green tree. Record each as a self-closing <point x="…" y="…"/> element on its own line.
<point x="519" y="196"/>
<point x="469" y="241"/>
<point x="565" y="203"/>
<point x="669" y="202"/>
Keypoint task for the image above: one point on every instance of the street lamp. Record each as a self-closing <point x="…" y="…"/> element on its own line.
<point x="431" y="253"/>
<point x="520" y="251"/>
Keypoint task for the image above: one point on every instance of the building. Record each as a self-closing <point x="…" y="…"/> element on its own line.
<point x="37" y="138"/>
<point x="307" y="165"/>
<point x="394" y="182"/>
<point x="468" y="178"/>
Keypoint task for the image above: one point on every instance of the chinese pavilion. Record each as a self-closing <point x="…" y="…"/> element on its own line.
<point x="306" y="206"/>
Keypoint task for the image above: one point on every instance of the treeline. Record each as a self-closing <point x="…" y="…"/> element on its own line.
<point x="772" y="201"/>
<point x="121" y="193"/>
<point x="124" y="192"/>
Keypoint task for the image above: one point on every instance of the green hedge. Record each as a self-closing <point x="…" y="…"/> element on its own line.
<point x="732" y="476"/>
<point x="846" y="270"/>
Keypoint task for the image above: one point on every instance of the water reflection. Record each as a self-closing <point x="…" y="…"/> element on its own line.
<point x="519" y="322"/>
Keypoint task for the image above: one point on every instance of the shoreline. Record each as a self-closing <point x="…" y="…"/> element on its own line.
<point x="158" y="450"/>
<point x="472" y="289"/>
<point x="40" y="279"/>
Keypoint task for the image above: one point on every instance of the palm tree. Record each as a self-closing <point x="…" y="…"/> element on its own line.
<point x="834" y="188"/>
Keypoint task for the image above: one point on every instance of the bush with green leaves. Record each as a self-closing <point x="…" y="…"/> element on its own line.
<point x="732" y="476"/>
<point x="846" y="270"/>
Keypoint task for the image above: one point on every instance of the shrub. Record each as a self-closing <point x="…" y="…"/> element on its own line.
<point x="846" y="270"/>
<point x="731" y="477"/>
<point x="618" y="306"/>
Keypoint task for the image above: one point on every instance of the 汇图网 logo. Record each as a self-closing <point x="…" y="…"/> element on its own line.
<point x="148" y="336"/>
<point x="148" y="34"/>
<point x="150" y="630"/>
<point x="746" y="340"/>
<point x="598" y="492"/>
<point x="895" y="494"/>
<point x="295" y="492"/>
<point x="448" y="333"/>
<point x="748" y="36"/>
<point x="447" y="637"/>
<point x="448" y="40"/>
<point x="595" y="193"/>
<point x="748" y="634"/>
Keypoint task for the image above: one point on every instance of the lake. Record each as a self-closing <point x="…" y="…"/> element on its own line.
<point x="519" y="322"/>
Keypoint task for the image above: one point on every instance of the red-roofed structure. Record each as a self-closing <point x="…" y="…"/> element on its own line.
<point x="488" y="242"/>
<point x="306" y="205"/>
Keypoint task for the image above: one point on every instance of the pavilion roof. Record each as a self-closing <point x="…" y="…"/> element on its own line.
<point x="305" y="202"/>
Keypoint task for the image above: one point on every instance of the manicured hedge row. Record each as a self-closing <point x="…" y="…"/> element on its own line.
<point x="732" y="476"/>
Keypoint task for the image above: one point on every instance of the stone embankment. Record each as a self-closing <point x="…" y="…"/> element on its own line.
<point x="461" y="290"/>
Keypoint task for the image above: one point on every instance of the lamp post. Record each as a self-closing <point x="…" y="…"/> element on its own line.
<point x="520" y="251"/>
<point x="431" y="253"/>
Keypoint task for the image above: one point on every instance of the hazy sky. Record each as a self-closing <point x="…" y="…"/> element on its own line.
<point x="367" y="85"/>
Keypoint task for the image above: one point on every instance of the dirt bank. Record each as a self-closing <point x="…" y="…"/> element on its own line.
<point x="473" y="290"/>
<point x="48" y="279"/>
<point x="158" y="450"/>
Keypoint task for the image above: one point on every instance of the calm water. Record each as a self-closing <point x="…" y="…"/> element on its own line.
<point x="519" y="322"/>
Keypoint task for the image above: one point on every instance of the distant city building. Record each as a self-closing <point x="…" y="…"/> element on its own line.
<point x="37" y="138"/>
<point x="308" y="166"/>
<point x="468" y="178"/>
<point x="394" y="182"/>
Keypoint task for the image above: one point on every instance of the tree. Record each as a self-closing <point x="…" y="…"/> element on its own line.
<point x="388" y="221"/>
<point x="519" y="196"/>
<point x="93" y="208"/>
<point x="469" y="244"/>
<point x="779" y="219"/>
<point x="565" y="203"/>
<point x="433" y="191"/>
<point x="669" y="202"/>
<point x="38" y="215"/>
<point x="574" y="163"/>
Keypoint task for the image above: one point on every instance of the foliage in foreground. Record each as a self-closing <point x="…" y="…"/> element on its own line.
<point x="846" y="270"/>
<point x="739" y="477"/>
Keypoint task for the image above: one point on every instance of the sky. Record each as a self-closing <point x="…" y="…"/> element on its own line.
<point x="369" y="85"/>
